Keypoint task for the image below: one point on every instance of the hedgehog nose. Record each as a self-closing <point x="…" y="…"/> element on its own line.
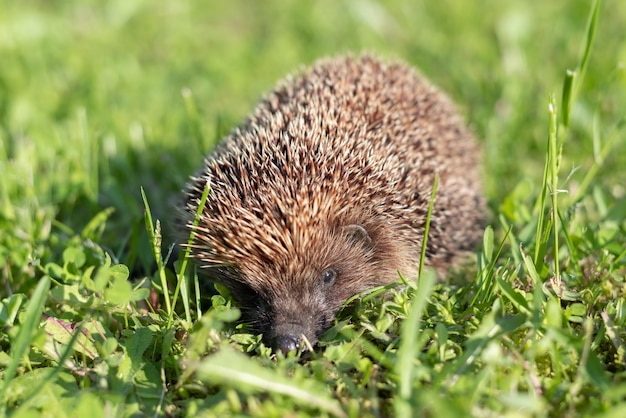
<point x="287" y="343"/>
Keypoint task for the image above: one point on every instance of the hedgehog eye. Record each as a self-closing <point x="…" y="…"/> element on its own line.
<point x="328" y="276"/>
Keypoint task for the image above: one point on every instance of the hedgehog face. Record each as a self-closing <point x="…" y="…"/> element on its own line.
<point x="307" y="291"/>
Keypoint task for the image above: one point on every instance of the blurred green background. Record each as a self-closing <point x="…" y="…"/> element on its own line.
<point x="98" y="99"/>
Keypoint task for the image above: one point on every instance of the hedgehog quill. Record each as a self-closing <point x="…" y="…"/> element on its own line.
<point x="322" y="193"/>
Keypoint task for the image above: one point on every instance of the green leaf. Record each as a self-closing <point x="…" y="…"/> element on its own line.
<point x="245" y="375"/>
<point x="55" y="271"/>
<point x="576" y="312"/>
<point x="71" y="294"/>
<point x="95" y="227"/>
<point x="596" y="372"/>
<point x="554" y="314"/>
<point x="62" y="331"/>
<point x="513" y="295"/>
<point x="10" y="307"/>
<point x="119" y="291"/>
<point x="74" y="255"/>
<point x="134" y="348"/>
<point x="488" y="244"/>
<point x="103" y="275"/>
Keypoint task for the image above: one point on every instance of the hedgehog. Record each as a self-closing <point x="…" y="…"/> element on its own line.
<point x="323" y="191"/>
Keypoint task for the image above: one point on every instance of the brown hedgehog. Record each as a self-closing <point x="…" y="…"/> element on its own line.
<point x="323" y="192"/>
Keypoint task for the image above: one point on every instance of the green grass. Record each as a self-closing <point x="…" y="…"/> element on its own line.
<point x="101" y="100"/>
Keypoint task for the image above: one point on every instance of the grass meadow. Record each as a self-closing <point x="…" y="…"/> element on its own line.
<point x="101" y="101"/>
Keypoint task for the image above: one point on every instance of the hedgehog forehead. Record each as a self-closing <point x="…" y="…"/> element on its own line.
<point x="265" y="221"/>
<point x="292" y="263"/>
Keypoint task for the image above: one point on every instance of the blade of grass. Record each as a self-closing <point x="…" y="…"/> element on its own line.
<point x="597" y="162"/>
<point x="92" y="157"/>
<point x="540" y="205"/>
<point x="571" y="247"/>
<point x="431" y="204"/>
<point x="32" y="317"/>
<point x="566" y="96"/>
<point x="409" y="342"/>
<point x="514" y="243"/>
<point x="182" y="289"/>
<point x="486" y="273"/>
<point x="196" y="287"/>
<point x="554" y="156"/>
<point x="591" y="33"/>
<point x="582" y="69"/>
<point x="154" y="236"/>
<point x="187" y="251"/>
<point x="538" y="295"/>
<point x="410" y="345"/>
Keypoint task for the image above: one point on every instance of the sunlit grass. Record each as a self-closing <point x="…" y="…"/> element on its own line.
<point x="100" y="101"/>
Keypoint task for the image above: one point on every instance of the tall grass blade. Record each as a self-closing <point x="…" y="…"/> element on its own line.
<point x="409" y="343"/>
<point x="32" y="317"/>
<point x="154" y="236"/>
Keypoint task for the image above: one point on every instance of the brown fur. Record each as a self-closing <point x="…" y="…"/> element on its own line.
<point x="349" y="142"/>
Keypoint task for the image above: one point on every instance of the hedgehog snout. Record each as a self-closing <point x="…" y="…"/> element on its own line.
<point x="289" y="336"/>
<point x="287" y="343"/>
<point x="298" y="327"/>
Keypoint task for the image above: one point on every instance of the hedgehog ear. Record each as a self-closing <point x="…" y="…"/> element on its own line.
<point x="358" y="235"/>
